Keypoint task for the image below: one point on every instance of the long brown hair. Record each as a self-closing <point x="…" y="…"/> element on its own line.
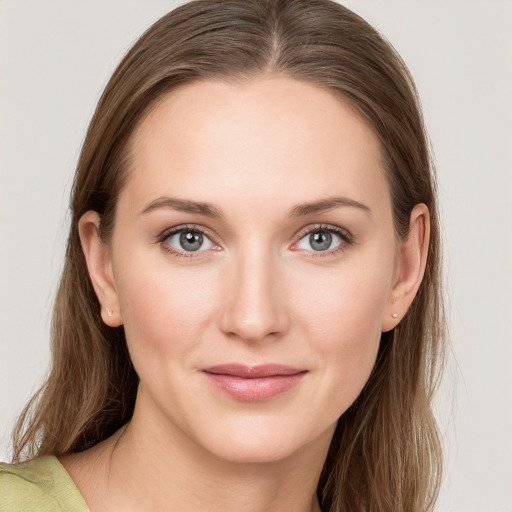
<point x="385" y="454"/>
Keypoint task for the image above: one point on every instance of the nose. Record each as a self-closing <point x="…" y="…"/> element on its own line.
<point x="254" y="304"/>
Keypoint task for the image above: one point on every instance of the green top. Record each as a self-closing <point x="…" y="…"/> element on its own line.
<point x="38" y="485"/>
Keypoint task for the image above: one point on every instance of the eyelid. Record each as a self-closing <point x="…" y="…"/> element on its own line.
<point x="322" y="226"/>
<point x="188" y="227"/>
<point x="166" y="233"/>
<point x="345" y="235"/>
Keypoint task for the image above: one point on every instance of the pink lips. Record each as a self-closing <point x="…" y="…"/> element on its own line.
<point x="253" y="383"/>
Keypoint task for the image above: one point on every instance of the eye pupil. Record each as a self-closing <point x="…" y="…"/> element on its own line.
<point x="191" y="240"/>
<point x="320" y="240"/>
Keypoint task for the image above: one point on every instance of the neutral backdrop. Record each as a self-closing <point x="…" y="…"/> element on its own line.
<point x="55" y="58"/>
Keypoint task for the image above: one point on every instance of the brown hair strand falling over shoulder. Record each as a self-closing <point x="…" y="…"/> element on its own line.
<point x="385" y="454"/>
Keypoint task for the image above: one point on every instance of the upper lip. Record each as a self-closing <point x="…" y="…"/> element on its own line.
<point x="253" y="371"/>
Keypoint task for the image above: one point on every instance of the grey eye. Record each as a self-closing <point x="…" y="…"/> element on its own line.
<point x="188" y="240"/>
<point x="191" y="241"/>
<point x="320" y="240"/>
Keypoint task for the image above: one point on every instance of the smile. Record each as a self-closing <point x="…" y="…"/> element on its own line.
<point x="253" y="383"/>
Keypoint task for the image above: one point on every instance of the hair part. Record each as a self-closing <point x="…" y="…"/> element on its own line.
<point x="385" y="454"/>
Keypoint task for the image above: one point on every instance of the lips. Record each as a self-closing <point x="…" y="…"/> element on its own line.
<point x="253" y="383"/>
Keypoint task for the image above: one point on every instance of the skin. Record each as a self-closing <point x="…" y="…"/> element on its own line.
<point x="258" y="293"/>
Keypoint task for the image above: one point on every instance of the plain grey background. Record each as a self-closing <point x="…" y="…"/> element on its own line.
<point x="55" y="58"/>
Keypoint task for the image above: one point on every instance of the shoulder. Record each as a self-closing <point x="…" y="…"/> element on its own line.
<point x="41" y="484"/>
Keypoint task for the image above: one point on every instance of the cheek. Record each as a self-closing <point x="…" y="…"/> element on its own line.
<point x="163" y="308"/>
<point x="343" y="320"/>
<point x="347" y="304"/>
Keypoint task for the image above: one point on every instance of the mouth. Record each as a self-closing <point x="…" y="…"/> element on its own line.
<point x="253" y="383"/>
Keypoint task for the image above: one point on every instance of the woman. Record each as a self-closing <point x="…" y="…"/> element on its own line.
<point x="249" y="317"/>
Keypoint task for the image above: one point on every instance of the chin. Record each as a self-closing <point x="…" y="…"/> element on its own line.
<point x="259" y="443"/>
<point x="253" y="452"/>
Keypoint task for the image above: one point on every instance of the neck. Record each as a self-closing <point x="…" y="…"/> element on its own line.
<point x="151" y="468"/>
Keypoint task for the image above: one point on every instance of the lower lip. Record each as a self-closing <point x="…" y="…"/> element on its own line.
<point x="254" y="389"/>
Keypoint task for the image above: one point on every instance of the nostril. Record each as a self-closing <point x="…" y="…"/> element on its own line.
<point x="266" y="328"/>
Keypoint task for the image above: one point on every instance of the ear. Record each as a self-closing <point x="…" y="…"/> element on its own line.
<point x="99" y="264"/>
<point x="412" y="259"/>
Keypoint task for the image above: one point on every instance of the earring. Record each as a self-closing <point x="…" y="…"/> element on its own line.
<point x="395" y="315"/>
<point x="109" y="311"/>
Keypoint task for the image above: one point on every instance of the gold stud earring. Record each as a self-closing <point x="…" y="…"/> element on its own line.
<point x="395" y="315"/>
<point x="109" y="311"/>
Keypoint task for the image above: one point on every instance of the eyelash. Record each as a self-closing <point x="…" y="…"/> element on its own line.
<point x="347" y="239"/>
<point x="184" y="228"/>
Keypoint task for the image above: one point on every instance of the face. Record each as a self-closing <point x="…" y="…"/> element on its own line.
<point x="253" y="259"/>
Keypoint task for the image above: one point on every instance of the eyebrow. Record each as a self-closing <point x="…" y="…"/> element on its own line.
<point x="209" y="210"/>
<point x="326" y="205"/>
<point x="183" y="205"/>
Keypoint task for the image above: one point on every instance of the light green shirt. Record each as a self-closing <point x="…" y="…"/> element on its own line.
<point x="39" y="485"/>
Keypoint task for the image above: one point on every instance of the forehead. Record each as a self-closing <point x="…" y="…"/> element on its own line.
<point x="215" y="140"/>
